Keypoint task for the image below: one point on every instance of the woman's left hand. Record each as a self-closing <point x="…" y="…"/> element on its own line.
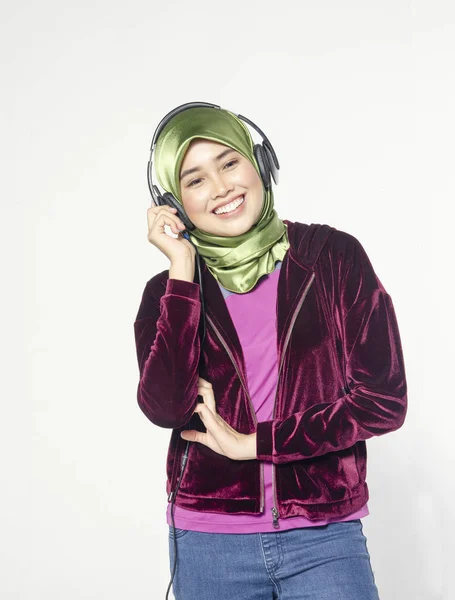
<point x="220" y="436"/>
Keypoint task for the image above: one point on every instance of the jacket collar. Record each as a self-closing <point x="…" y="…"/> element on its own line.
<point x="291" y="282"/>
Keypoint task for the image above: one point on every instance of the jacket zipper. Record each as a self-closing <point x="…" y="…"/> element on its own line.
<point x="275" y="513"/>
<point x="249" y="400"/>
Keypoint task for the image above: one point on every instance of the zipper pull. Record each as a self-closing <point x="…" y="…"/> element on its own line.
<point x="276" y="516"/>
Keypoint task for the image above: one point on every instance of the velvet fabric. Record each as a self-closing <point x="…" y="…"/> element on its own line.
<point x="341" y="380"/>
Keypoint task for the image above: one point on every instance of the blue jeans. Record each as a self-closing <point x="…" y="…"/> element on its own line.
<point x="328" y="562"/>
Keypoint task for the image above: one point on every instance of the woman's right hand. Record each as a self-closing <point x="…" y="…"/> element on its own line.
<point x="177" y="250"/>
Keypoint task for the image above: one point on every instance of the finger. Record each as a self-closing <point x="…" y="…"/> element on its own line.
<point x="202" y="438"/>
<point x="162" y="206"/>
<point x="205" y="413"/>
<point x="153" y="212"/>
<point x="191" y="435"/>
<point x="208" y="397"/>
<point x="164" y="217"/>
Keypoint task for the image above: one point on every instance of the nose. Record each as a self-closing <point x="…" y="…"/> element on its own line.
<point x="221" y="186"/>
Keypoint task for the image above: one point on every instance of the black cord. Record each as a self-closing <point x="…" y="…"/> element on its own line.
<point x="198" y="263"/>
<point x="173" y="494"/>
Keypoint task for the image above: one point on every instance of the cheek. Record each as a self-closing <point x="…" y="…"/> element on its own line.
<point x="192" y="203"/>
<point x="252" y="179"/>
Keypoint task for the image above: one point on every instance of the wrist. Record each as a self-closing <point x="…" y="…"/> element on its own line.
<point x="250" y="449"/>
<point x="183" y="269"/>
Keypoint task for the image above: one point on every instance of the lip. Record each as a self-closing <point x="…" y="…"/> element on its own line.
<point x="228" y="202"/>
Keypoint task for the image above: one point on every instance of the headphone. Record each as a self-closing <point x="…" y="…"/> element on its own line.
<point x="264" y="154"/>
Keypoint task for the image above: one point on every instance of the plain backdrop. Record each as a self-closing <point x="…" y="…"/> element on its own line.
<point x="358" y="100"/>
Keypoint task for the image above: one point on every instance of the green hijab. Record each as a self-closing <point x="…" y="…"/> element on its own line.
<point x="236" y="262"/>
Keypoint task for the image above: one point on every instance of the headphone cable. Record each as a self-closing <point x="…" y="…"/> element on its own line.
<point x="173" y="494"/>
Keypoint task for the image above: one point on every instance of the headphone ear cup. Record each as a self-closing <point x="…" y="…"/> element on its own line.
<point x="264" y="167"/>
<point x="170" y="200"/>
<point x="273" y="169"/>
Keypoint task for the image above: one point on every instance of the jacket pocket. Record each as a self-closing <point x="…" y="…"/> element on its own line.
<point x="211" y="475"/>
<point x="332" y="477"/>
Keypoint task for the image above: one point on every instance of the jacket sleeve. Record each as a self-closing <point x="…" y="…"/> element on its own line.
<point x="168" y="347"/>
<point x="376" y="398"/>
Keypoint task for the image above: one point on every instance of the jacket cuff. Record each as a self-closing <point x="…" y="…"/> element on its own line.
<point x="179" y="287"/>
<point x="264" y="440"/>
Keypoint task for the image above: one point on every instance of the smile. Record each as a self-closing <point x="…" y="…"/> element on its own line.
<point x="231" y="207"/>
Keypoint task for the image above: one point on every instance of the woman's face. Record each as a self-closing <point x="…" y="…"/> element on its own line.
<point x="212" y="176"/>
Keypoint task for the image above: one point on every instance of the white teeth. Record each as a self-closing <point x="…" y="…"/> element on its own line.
<point x="229" y="207"/>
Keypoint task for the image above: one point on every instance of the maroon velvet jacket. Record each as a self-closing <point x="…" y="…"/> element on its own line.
<point x="341" y="380"/>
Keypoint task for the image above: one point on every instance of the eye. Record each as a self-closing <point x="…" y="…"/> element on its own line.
<point x="231" y="162"/>
<point x="192" y="183"/>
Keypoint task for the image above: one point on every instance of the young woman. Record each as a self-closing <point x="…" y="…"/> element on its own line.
<point x="301" y="363"/>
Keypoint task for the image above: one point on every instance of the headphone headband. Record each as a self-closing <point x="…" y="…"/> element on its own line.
<point x="171" y="114"/>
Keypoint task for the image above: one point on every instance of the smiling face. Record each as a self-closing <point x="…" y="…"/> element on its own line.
<point x="212" y="176"/>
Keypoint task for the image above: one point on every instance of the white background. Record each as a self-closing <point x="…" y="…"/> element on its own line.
<point x="357" y="98"/>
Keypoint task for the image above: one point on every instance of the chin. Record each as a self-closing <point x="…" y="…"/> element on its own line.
<point x="228" y="230"/>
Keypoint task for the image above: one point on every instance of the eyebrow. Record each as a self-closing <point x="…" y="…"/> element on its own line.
<point x="219" y="157"/>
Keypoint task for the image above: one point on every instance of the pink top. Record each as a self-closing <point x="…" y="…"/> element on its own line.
<point x="255" y="328"/>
